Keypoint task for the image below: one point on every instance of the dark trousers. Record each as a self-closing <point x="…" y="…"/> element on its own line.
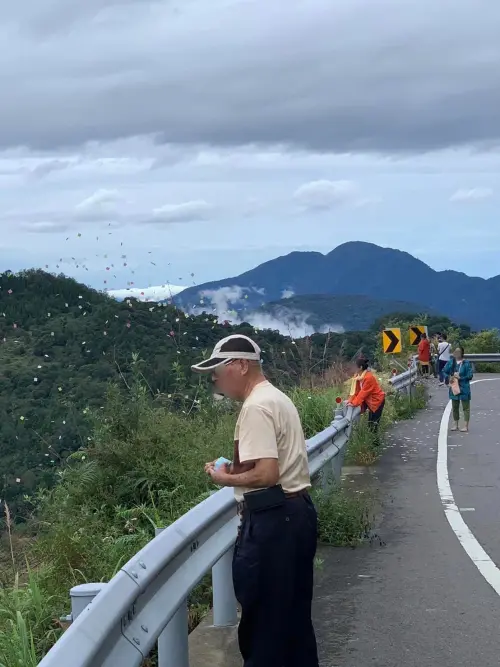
<point x="442" y="378"/>
<point x="273" y="569"/>
<point x="374" y="420"/>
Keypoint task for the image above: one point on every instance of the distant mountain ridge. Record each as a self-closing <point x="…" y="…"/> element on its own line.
<point x="356" y="268"/>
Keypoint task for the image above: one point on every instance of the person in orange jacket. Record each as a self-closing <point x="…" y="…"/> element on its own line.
<point x="424" y="354"/>
<point x="368" y="394"/>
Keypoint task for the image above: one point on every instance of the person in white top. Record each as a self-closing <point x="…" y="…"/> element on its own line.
<point x="444" y="354"/>
<point x="273" y="561"/>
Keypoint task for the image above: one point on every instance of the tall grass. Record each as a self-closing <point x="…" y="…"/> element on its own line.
<point x="345" y="518"/>
<point x="316" y="407"/>
<point x="26" y="616"/>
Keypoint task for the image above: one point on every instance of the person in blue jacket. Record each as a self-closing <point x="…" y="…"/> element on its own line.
<point x="460" y="372"/>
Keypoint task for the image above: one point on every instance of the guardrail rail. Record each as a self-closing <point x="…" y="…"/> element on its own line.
<point x="117" y="624"/>
<point x="483" y="357"/>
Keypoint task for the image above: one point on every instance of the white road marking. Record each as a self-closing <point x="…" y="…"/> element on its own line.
<point x="465" y="536"/>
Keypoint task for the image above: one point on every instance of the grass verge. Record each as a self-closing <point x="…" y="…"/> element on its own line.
<point x="345" y="517"/>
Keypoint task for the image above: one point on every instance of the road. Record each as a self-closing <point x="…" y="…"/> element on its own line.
<point x="418" y="597"/>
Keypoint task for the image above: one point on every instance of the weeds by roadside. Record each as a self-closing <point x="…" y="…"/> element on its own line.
<point x="404" y="406"/>
<point x="344" y="516"/>
<point x="361" y="448"/>
<point x="316" y="407"/>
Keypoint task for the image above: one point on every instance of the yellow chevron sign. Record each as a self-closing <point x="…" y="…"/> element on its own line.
<point x="391" y="341"/>
<point x="415" y="332"/>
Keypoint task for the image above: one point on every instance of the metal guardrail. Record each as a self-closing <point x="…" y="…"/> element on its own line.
<point x="474" y="357"/>
<point x="486" y="357"/>
<point x="404" y="381"/>
<point x="117" y="624"/>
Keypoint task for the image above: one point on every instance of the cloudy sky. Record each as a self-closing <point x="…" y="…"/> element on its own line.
<point x="181" y="141"/>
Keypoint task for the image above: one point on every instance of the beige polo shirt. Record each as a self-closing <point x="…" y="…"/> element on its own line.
<point x="268" y="427"/>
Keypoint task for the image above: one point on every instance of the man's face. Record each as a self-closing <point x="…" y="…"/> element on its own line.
<point x="230" y="379"/>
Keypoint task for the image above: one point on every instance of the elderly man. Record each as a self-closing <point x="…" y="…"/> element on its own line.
<point x="276" y="545"/>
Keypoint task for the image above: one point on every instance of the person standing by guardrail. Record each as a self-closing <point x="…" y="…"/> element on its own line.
<point x="433" y="342"/>
<point x="273" y="563"/>
<point x="424" y="355"/>
<point x="460" y="372"/>
<point x="444" y="355"/>
<point x="368" y="394"/>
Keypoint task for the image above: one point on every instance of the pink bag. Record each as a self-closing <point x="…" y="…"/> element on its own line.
<point x="455" y="387"/>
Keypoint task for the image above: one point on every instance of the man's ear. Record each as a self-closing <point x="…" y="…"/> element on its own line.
<point x="245" y="366"/>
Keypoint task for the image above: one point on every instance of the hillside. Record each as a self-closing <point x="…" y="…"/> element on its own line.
<point x="62" y="343"/>
<point x="326" y="311"/>
<point x="356" y="268"/>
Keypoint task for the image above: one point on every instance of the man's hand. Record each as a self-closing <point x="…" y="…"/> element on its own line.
<point x="219" y="476"/>
<point x="209" y="465"/>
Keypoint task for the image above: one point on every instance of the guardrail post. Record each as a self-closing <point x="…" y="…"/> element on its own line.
<point x="338" y="461"/>
<point x="81" y="596"/>
<point x="331" y="471"/>
<point x="225" y="610"/>
<point x="339" y="410"/>
<point x="173" y="641"/>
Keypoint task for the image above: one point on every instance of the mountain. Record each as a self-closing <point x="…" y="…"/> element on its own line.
<point x="355" y="268"/>
<point x="327" y="312"/>
<point x="61" y="344"/>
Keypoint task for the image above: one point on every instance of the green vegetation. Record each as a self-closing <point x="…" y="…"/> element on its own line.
<point x="404" y="406"/>
<point x="105" y="432"/>
<point x="61" y="344"/>
<point x="484" y="341"/>
<point x="362" y="448"/>
<point x="345" y="517"/>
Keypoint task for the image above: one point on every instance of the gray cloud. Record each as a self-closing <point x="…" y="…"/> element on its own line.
<point x="324" y="195"/>
<point x="186" y="212"/>
<point x="44" y="227"/>
<point x="111" y="208"/>
<point x="363" y="75"/>
<point x="49" y="17"/>
<point x="46" y="167"/>
<point x="472" y="194"/>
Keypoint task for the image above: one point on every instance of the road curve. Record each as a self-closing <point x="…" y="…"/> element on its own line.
<point x="415" y="597"/>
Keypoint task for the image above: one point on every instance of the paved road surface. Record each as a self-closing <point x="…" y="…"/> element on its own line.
<point x="419" y="601"/>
